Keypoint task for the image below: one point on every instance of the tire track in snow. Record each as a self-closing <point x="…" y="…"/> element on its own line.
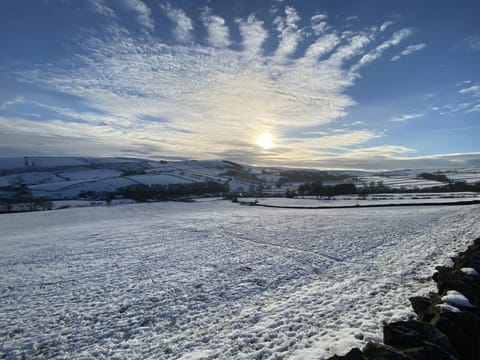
<point x="291" y="248"/>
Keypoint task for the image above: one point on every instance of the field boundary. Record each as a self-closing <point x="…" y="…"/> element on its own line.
<point x="472" y="202"/>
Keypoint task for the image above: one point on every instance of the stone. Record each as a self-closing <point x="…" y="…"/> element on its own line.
<point x="459" y="340"/>
<point x="450" y="279"/>
<point x="354" y="354"/>
<point x="463" y="331"/>
<point x="418" y="340"/>
<point x="429" y="352"/>
<point x="421" y="305"/>
<point x="470" y="257"/>
<point x="374" y="351"/>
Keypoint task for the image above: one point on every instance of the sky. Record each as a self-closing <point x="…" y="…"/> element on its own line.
<point x="321" y="84"/>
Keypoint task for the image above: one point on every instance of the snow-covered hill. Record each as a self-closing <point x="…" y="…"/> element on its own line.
<point x="70" y="178"/>
<point x="60" y="178"/>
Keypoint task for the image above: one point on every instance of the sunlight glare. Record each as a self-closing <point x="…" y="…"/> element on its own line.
<point x="264" y="141"/>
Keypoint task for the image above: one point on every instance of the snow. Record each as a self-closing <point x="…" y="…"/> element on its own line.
<point x="469" y="175"/>
<point x="12" y="163"/>
<point x="72" y="189"/>
<point x="215" y="279"/>
<point x="29" y="178"/>
<point x="470" y="271"/>
<point x="48" y="162"/>
<point x="160" y="179"/>
<point x="447" y="308"/>
<point x="397" y="182"/>
<point x="454" y="297"/>
<point x="90" y="174"/>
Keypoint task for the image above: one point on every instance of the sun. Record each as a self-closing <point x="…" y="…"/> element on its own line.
<point x="264" y="141"/>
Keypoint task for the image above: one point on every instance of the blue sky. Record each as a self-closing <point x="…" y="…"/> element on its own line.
<point x="332" y="84"/>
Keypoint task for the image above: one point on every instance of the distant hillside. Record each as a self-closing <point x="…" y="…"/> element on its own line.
<point x="88" y="178"/>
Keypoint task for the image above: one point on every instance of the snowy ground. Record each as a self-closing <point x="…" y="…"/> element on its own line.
<point x="215" y="279"/>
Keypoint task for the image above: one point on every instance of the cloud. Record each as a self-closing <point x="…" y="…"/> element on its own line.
<point x="407" y="117"/>
<point x="409" y="50"/>
<point x="253" y="34"/>
<point x="218" y="33"/>
<point x="376" y="53"/>
<point x="395" y="157"/>
<point x="318" y="23"/>
<point x="144" y="14"/>
<point x="16" y="100"/>
<point x="355" y="46"/>
<point x="474" y="104"/>
<point x="385" y="25"/>
<point x="183" y="25"/>
<point x="338" y="141"/>
<point x="213" y="99"/>
<point x="289" y="34"/>
<point x="474" y="90"/>
<point x="320" y="47"/>
<point x="101" y="7"/>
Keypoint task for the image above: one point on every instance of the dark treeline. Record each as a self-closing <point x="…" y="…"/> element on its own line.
<point x="316" y="188"/>
<point x="436" y="177"/>
<point x="140" y="192"/>
<point x="309" y="176"/>
<point x="450" y="187"/>
<point x="23" y="200"/>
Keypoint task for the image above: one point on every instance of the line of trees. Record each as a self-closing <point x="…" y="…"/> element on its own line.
<point x="377" y="188"/>
<point x="435" y="177"/>
<point x="309" y="176"/>
<point x="23" y="200"/>
<point x="140" y="192"/>
<point x="317" y="188"/>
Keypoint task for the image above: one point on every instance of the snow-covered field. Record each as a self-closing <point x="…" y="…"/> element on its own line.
<point x="214" y="279"/>
<point x="397" y="182"/>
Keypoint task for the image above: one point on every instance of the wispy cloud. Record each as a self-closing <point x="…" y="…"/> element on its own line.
<point x="319" y="23"/>
<point x="473" y="105"/>
<point x="253" y="34"/>
<point x="385" y="25"/>
<point x="144" y="13"/>
<point x="16" y="100"/>
<point x="376" y="53"/>
<point x="214" y="99"/>
<point x="407" y="117"/>
<point x="289" y="33"/>
<point x="409" y="50"/>
<point x="218" y="33"/>
<point x="474" y="90"/>
<point x="101" y="7"/>
<point x="340" y="140"/>
<point x="396" y="157"/>
<point x="183" y="25"/>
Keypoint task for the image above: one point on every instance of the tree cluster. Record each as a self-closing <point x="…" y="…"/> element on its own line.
<point x="310" y="176"/>
<point x="377" y="188"/>
<point x="140" y="192"/>
<point x="23" y="200"/>
<point x="316" y="188"/>
<point x="435" y="177"/>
